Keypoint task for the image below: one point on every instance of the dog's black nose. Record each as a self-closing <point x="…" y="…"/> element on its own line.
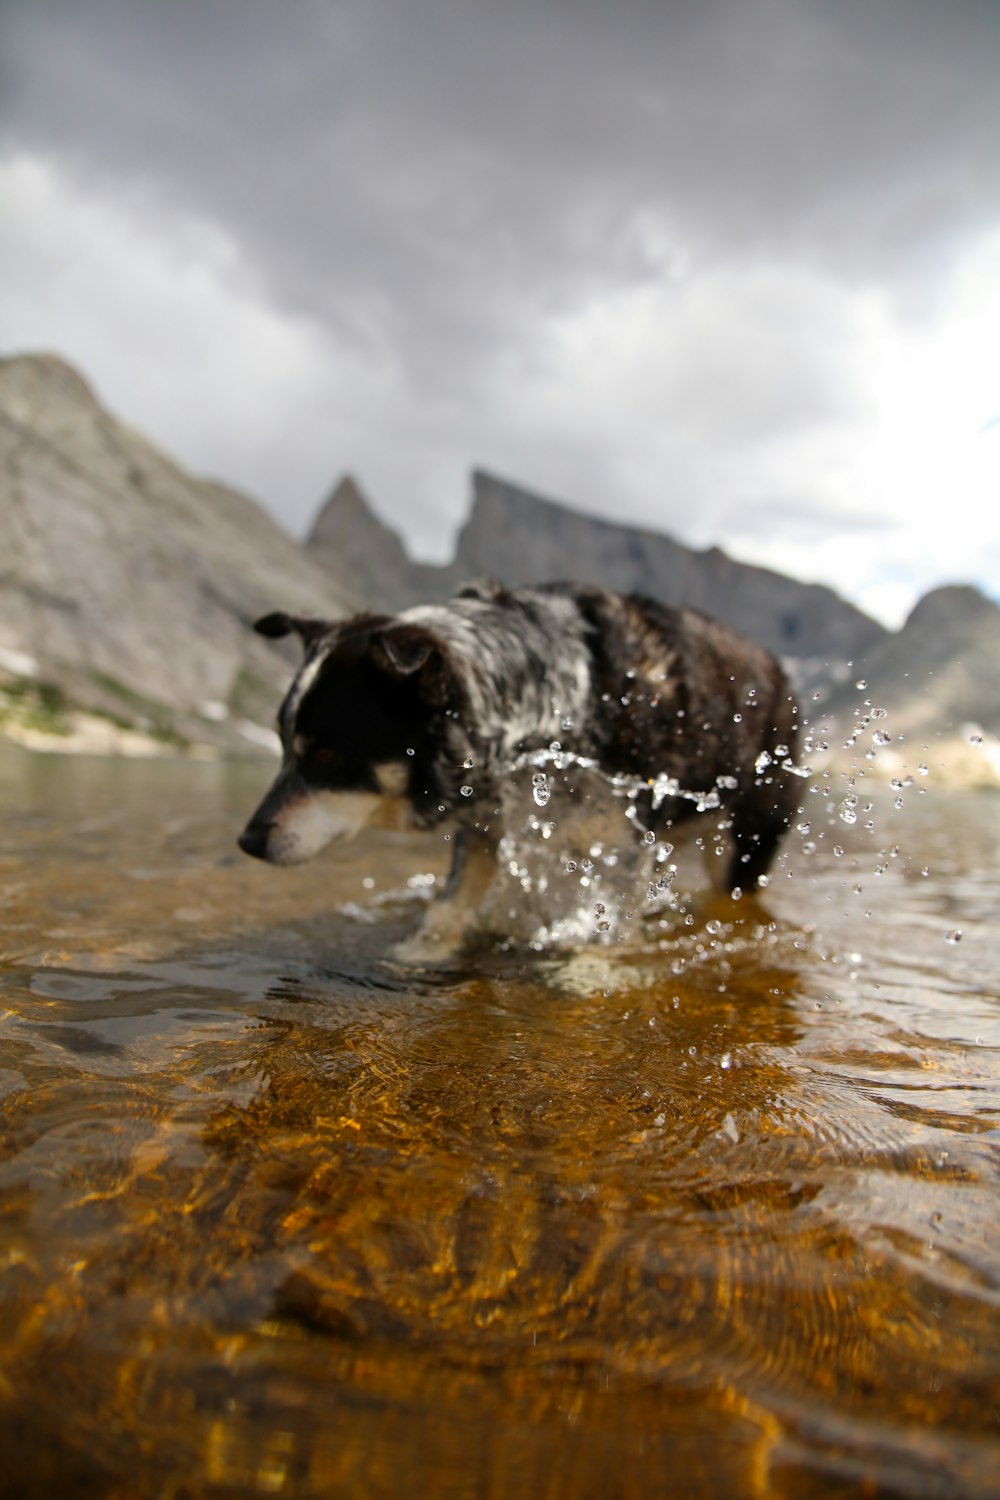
<point x="253" y="839"/>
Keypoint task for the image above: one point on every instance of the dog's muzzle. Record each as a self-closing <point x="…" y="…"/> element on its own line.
<point x="293" y="823"/>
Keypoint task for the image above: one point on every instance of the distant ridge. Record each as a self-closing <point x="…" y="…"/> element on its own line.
<point x="518" y="537"/>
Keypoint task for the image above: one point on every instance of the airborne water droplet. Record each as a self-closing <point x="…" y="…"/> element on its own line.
<point x="466" y="791"/>
<point x="649" y="837"/>
<point x="953" y="937"/>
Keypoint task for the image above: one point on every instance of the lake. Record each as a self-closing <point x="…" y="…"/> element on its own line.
<point x="710" y="1211"/>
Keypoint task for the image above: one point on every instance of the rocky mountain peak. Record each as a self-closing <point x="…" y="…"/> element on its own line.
<point x="950" y="607"/>
<point x="364" y="557"/>
<point x="43" y="392"/>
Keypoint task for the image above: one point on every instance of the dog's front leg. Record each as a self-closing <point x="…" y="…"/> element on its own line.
<point x="451" y="918"/>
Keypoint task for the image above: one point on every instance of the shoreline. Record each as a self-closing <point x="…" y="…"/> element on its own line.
<point x="959" y="761"/>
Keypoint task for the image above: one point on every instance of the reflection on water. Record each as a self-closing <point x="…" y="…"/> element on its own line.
<point x="712" y="1214"/>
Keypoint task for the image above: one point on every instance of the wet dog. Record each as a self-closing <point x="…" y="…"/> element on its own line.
<point x="432" y="708"/>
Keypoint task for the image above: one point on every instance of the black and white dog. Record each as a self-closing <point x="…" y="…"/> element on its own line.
<point x="433" y="707"/>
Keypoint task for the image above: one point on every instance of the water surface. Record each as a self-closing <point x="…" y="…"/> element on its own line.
<point x="710" y="1212"/>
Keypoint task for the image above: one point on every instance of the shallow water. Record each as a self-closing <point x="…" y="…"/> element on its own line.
<point x="714" y="1213"/>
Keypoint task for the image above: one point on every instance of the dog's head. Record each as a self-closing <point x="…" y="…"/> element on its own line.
<point x="359" y="724"/>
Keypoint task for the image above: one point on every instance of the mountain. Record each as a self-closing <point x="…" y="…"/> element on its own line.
<point x="518" y="537"/>
<point x="127" y="586"/>
<point x="939" y="674"/>
<point x="360" y="554"/>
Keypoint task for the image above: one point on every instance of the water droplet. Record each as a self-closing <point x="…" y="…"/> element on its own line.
<point x="737" y="718"/>
<point x="762" y="762"/>
<point x="541" y="794"/>
<point x="570" y="866"/>
<point x="955" y="936"/>
<point x="975" y="739"/>
<point x="466" y="791"/>
<point x="881" y="737"/>
<point x="410" y="750"/>
<point x="861" y="684"/>
<point x="726" y="1060"/>
<point x="649" y="837"/>
<point x="804" y="827"/>
<point x="922" y="769"/>
<point x="837" y="851"/>
<point x="566" y="723"/>
<point x="467" y="765"/>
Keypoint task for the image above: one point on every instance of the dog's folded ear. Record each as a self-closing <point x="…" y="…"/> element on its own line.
<point x="404" y="650"/>
<point x="276" y="625"/>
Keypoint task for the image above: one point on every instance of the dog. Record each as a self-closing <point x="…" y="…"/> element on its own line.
<point x="430" y="710"/>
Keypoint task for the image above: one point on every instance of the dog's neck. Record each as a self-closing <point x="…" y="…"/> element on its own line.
<point x="527" y="677"/>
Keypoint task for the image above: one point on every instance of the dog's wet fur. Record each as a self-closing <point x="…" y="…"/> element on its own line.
<point x="409" y="709"/>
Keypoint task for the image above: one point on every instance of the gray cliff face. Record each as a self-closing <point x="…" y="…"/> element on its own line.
<point x="132" y="584"/>
<point x="524" y="539"/>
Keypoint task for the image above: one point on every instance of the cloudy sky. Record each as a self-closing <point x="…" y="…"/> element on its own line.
<point x="727" y="268"/>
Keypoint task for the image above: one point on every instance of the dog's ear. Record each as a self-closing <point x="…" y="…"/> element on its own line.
<point x="403" y="649"/>
<point x="409" y="651"/>
<point x="276" y="625"/>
